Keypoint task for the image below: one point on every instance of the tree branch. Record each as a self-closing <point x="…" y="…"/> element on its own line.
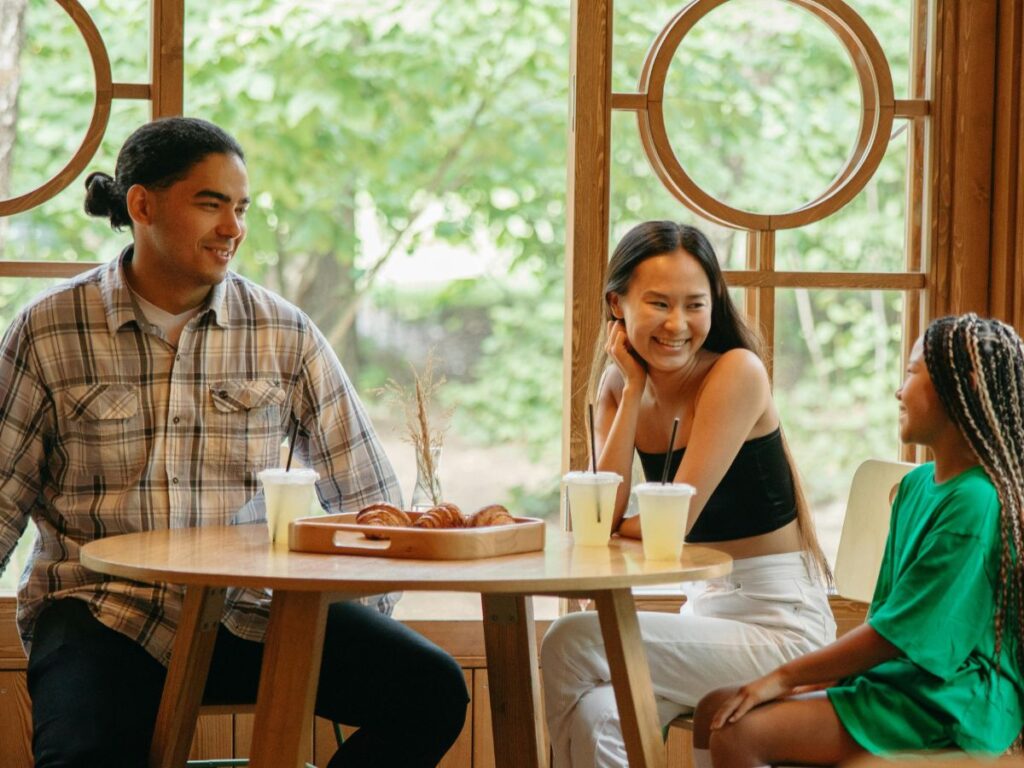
<point x="433" y="189"/>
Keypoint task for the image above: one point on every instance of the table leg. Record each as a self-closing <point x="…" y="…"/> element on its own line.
<point x="288" y="679"/>
<point x="186" y="677"/>
<point x="514" y="682"/>
<point x="631" y="678"/>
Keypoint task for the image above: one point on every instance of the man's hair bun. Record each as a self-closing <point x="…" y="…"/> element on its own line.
<point x="103" y="199"/>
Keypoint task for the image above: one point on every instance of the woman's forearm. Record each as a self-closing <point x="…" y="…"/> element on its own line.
<point x="856" y="651"/>
<point x="616" y="454"/>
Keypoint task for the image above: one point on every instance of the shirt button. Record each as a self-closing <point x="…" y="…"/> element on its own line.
<point x="177" y="357"/>
<point x="176" y="419"/>
<point x="174" y="480"/>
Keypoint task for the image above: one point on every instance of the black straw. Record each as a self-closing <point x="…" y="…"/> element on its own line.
<point x="291" y="445"/>
<point x="668" y="453"/>
<point x="593" y="450"/>
<point x="593" y="455"/>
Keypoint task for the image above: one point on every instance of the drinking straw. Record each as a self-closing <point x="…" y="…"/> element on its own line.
<point x="668" y="454"/>
<point x="593" y="456"/>
<point x="593" y="451"/>
<point x="291" y="444"/>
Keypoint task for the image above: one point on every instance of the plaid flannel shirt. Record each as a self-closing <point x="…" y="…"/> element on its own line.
<point x="105" y="428"/>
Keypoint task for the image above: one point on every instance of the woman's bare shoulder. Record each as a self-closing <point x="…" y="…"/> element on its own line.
<point x="742" y="364"/>
<point x="737" y="373"/>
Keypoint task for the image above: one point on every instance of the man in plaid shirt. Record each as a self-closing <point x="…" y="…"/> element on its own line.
<point x="148" y="394"/>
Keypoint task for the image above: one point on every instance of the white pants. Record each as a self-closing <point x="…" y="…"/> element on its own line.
<point x="730" y="631"/>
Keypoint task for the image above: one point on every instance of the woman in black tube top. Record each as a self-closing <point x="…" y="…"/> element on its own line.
<point x="675" y="346"/>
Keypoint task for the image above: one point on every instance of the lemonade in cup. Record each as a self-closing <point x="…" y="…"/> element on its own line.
<point x="288" y="494"/>
<point x="591" y="503"/>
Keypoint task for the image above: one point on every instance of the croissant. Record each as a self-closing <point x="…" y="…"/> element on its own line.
<point x="444" y="515"/>
<point x="492" y="514"/>
<point x="382" y="514"/>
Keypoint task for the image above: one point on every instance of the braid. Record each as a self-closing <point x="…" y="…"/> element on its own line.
<point x="977" y="368"/>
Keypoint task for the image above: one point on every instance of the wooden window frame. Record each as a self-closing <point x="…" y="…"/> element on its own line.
<point x="965" y="215"/>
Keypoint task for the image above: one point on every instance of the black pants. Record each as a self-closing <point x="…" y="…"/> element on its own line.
<point x="95" y="693"/>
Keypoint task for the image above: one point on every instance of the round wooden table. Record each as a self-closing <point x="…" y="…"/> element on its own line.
<point x="208" y="560"/>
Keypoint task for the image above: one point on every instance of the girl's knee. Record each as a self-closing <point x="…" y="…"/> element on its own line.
<point x="705" y="713"/>
<point x="568" y="636"/>
<point x="448" y="684"/>
<point x="744" y="737"/>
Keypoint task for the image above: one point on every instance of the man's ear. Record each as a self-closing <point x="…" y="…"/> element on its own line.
<point x="139" y="202"/>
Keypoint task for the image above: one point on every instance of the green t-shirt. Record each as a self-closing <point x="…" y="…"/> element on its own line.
<point x="935" y="601"/>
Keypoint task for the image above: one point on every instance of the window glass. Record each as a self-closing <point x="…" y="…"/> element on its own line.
<point x="124" y="26"/>
<point x="10" y="577"/>
<point x="761" y="109"/>
<point x="891" y="22"/>
<point x="412" y="203"/>
<point x="866" y="235"/>
<point x="837" y="366"/>
<point x="637" y="195"/>
<point x="637" y="22"/>
<point x="54" y="103"/>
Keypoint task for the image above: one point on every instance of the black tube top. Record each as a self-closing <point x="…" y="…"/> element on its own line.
<point x="756" y="495"/>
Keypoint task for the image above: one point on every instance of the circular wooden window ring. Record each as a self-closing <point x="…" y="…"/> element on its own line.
<point x="97" y="126"/>
<point x="878" y="106"/>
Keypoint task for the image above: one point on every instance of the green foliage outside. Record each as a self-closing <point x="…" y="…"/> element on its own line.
<point x="440" y="122"/>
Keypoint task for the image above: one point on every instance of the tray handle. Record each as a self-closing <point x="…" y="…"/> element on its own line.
<point x="340" y="542"/>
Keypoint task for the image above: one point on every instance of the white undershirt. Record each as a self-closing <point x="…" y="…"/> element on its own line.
<point x="171" y="325"/>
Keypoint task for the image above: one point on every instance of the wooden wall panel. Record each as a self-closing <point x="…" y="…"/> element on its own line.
<point x="15" y="721"/>
<point x="214" y="738"/>
<point x="962" y="155"/>
<point x="1006" y="283"/>
<point x="11" y="654"/>
<point x="483" y="741"/>
<point x="243" y="735"/>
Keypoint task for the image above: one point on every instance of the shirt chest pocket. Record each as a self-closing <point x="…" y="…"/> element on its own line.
<point x="244" y="422"/>
<point x="104" y="434"/>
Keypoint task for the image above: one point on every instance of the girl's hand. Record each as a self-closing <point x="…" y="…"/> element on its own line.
<point x="629" y="363"/>
<point x="768" y="688"/>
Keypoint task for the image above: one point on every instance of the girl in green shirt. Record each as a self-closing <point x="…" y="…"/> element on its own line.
<point x="938" y="663"/>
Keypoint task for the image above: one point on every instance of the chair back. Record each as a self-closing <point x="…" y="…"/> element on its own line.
<point x="866" y="526"/>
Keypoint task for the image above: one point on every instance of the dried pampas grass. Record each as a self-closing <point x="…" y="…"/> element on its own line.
<point x="416" y="402"/>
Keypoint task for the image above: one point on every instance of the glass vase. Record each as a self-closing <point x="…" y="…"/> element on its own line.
<point x="427" y="491"/>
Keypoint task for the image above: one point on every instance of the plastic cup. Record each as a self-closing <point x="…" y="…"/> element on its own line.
<point x="591" y="502"/>
<point x="289" y="495"/>
<point x="663" y="512"/>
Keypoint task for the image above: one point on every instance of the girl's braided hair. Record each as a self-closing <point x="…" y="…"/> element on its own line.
<point x="977" y="368"/>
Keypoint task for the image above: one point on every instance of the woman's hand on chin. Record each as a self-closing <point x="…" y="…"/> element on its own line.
<point x="629" y="363"/>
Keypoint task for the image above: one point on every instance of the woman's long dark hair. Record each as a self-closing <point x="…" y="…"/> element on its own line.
<point x="156" y="155"/>
<point x="977" y="368"/>
<point x="728" y="328"/>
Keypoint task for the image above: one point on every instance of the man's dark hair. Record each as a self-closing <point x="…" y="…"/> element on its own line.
<point x="156" y="156"/>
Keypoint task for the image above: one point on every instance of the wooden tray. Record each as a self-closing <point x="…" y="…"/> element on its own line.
<point x="340" y="534"/>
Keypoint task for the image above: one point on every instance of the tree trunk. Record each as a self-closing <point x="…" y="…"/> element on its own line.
<point x="12" y="36"/>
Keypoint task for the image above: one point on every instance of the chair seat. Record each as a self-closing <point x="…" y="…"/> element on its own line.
<point x="683" y="722"/>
